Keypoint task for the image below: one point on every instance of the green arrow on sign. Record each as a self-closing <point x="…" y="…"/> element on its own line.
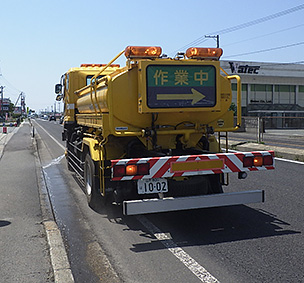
<point x="196" y="96"/>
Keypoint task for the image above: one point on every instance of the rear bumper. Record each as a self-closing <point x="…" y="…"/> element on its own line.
<point x="134" y="207"/>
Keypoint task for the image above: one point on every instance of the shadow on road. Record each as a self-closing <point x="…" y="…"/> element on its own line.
<point x="213" y="226"/>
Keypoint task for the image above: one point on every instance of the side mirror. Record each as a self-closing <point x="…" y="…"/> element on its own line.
<point x="58" y="88"/>
<point x="59" y="97"/>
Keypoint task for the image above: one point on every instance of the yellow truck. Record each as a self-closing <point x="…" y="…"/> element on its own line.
<point x="143" y="136"/>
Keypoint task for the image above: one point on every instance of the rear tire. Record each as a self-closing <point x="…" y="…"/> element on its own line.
<point x="91" y="183"/>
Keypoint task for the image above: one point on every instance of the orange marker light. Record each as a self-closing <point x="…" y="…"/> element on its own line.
<point x="258" y="161"/>
<point x="143" y="51"/>
<point x="197" y="52"/>
<point x="131" y="170"/>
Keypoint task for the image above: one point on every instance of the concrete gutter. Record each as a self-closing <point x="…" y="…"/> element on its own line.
<point x="59" y="259"/>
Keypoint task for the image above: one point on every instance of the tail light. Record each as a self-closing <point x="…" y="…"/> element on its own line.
<point x="119" y="170"/>
<point x="143" y="169"/>
<point x="131" y="170"/>
<point x="257" y="160"/>
<point x="268" y="160"/>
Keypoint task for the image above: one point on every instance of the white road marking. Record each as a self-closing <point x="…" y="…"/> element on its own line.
<point x="199" y="271"/>
<point x="52" y="137"/>
<point x="288" y="160"/>
<point x="54" y="161"/>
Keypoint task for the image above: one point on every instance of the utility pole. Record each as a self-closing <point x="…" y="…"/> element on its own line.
<point x="1" y="91"/>
<point x="217" y="39"/>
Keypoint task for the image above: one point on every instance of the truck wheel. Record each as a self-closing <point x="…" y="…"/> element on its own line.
<point x="91" y="183"/>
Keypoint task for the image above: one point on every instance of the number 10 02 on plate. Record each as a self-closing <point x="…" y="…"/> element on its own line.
<point x="152" y="186"/>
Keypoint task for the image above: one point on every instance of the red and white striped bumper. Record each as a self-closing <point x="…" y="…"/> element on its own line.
<point x="191" y="165"/>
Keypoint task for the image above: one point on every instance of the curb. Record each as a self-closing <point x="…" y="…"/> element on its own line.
<point x="59" y="259"/>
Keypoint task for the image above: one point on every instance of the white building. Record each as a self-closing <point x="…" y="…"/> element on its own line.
<point x="269" y="89"/>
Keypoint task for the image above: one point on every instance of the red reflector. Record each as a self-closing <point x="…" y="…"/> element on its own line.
<point x="267" y="160"/>
<point x="248" y="161"/>
<point x="143" y="168"/>
<point x="119" y="170"/>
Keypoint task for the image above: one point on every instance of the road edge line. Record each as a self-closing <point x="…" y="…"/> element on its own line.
<point x="58" y="255"/>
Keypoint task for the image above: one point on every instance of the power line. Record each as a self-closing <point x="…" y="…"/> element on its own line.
<point x="266" y="50"/>
<point x="8" y="84"/>
<point x="264" y="35"/>
<point x="201" y="39"/>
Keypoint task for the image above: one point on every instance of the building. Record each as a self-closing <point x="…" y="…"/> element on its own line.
<point x="270" y="90"/>
<point x="4" y="105"/>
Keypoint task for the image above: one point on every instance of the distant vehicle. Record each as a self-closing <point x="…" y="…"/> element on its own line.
<point x="61" y="119"/>
<point x="52" y="118"/>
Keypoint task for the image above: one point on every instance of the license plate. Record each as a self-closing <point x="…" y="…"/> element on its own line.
<point x="152" y="186"/>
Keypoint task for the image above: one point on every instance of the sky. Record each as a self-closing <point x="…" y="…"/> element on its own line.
<point x="41" y="39"/>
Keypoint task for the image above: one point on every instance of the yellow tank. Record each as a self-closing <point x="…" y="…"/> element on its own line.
<point x="186" y="97"/>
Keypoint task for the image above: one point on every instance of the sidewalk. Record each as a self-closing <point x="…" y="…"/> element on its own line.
<point x="24" y="251"/>
<point x="4" y="138"/>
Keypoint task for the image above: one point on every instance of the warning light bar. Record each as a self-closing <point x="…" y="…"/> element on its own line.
<point x="143" y="51"/>
<point x="201" y="53"/>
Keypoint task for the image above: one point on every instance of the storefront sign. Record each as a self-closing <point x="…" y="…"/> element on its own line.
<point x="243" y="69"/>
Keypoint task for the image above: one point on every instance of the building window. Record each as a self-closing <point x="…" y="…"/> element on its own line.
<point x="234" y="87"/>
<point x="244" y="91"/>
<point x="300" y="98"/>
<point x="260" y="93"/>
<point x="284" y="94"/>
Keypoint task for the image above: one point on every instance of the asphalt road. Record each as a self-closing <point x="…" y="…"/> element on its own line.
<point x="246" y="243"/>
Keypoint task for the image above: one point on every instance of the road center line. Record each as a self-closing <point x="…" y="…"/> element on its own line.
<point x="199" y="271"/>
